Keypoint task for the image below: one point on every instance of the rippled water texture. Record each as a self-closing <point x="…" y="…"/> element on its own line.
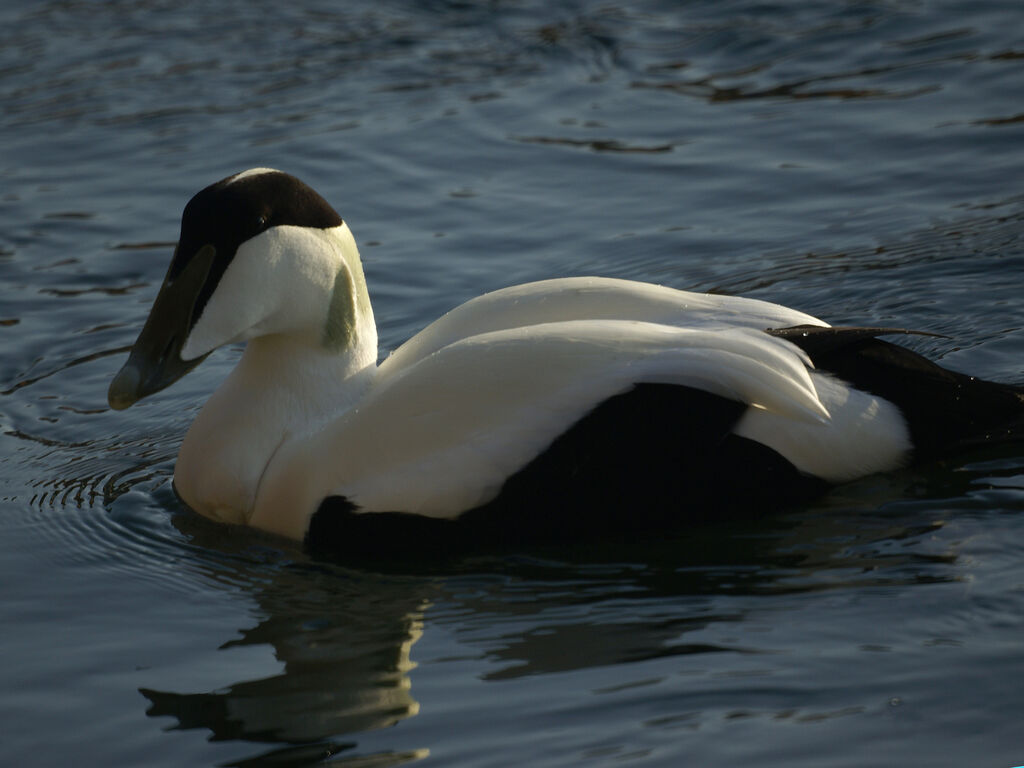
<point x="859" y="160"/>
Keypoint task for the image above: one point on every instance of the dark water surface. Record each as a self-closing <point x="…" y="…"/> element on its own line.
<point x="862" y="161"/>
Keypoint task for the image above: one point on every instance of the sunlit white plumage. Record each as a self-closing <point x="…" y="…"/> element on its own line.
<point x="439" y="426"/>
<point x="439" y="437"/>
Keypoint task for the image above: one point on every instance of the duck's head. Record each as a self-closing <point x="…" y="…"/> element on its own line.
<point x="259" y="253"/>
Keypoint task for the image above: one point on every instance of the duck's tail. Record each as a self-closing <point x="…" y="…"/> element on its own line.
<point x="945" y="411"/>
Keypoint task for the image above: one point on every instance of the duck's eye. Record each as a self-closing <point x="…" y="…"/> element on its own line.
<point x="261" y="223"/>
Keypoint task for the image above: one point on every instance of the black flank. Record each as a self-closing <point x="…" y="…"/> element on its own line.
<point x="671" y="462"/>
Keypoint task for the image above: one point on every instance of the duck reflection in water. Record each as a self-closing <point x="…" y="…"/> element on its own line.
<point x="345" y="637"/>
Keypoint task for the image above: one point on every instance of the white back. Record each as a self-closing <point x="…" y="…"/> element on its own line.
<point x="594" y="298"/>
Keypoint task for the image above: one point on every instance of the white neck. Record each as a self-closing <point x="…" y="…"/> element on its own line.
<point x="297" y="382"/>
<point x="288" y="382"/>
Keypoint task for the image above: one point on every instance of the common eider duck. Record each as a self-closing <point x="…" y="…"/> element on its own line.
<point x="551" y="409"/>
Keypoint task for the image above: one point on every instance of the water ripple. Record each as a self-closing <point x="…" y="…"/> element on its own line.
<point x="858" y="160"/>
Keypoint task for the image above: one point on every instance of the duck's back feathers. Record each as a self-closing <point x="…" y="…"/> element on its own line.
<point x="594" y="298"/>
<point x="444" y="435"/>
<point x="681" y="454"/>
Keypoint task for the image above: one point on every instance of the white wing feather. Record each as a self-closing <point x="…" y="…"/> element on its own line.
<point x="439" y="436"/>
<point x="594" y="298"/>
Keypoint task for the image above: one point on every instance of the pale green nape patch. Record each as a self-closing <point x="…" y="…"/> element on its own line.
<point x="340" y="328"/>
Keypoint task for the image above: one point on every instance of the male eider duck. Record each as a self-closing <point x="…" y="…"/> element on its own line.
<point x="549" y="409"/>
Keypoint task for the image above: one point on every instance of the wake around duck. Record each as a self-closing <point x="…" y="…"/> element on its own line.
<point x="547" y="410"/>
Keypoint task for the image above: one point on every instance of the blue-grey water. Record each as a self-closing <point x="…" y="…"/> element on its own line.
<point x="862" y="160"/>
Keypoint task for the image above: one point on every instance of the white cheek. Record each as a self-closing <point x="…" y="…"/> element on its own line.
<point x="240" y="299"/>
<point x="279" y="281"/>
